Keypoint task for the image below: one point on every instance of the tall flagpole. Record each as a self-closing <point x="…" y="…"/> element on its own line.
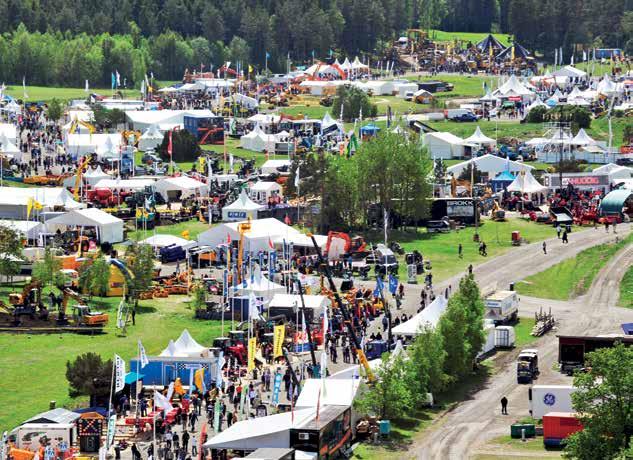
<point x="110" y="407"/>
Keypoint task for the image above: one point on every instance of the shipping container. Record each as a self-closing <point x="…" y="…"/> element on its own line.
<point x="59" y="436"/>
<point x="162" y="370"/>
<point x="502" y="306"/>
<point x="550" y="398"/>
<point x="504" y="337"/>
<point x="557" y="426"/>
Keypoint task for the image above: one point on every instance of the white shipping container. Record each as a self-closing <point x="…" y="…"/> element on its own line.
<point x="550" y="398"/>
<point x="504" y="337"/>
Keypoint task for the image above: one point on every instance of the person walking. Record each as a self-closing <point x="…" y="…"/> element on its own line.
<point x="194" y="445"/>
<point x="504" y="406"/>
<point x="565" y="238"/>
<point x="544" y="247"/>
<point x="136" y="454"/>
<point x="558" y="230"/>
<point x="385" y="323"/>
<point x="185" y="440"/>
<point x="460" y="251"/>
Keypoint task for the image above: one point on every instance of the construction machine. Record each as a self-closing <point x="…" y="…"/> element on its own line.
<point x="29" y="301"/>
<point x="82" y="314"/>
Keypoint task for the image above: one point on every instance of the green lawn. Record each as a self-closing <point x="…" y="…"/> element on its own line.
<point x="523" y="331"/>
<point x="195" y="227"/>
<point x="46" y="93"/>
<point x="441" y="248"/>
<point x="506" y="444"/>
<point x="573" y="276"/>
<point x="474" y="37"/>
<point x="39" y="360"/>
<point x="464" y="85"/>
<point x="626" y="289"/>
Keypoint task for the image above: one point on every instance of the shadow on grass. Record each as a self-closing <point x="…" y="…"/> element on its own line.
<point x="465" y="389"/>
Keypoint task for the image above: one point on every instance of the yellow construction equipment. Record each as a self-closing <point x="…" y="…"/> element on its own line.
<point x="80" y="172"/>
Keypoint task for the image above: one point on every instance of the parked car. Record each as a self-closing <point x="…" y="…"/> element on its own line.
<point x="465" y="117"/>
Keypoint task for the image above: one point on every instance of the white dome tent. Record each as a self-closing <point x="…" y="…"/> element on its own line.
<point x="582" y="139"/>
<point x="242" y="208"/>
<point x="526" y="183"/>
<point x="150" y="139"/>
<point x="93" y="176"/>
<point x="480" y="139"/>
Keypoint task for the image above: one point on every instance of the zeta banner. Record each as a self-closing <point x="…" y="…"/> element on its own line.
<point x="111" y="430"/>
<point x="252" y="344"/>
<point x="276" y="388"/>
<point x="216" y="417"/>
<point x="119" y="373"/>
<point x="278" y="340"/>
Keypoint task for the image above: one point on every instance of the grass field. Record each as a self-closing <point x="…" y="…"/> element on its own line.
<point x="474" y="37"/>
<point x="45" y="93"/>
<point x="39" y="361"/>
<point x="441" y="248"/>
<point x="194" y="227"/>
<point x="523" y="331"/>
<point x="626" y="289"/>
<point x="572" y="277"/>
<point x="506" y="444"/>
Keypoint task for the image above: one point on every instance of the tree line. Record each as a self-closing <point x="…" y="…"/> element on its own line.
<point x="65" y="42"/>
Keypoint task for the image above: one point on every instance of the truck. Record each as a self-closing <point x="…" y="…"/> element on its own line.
<point x="502" y="307"/>
<point x="550" y="398"/>
<point x="527" y="366"/>
<point x="31" y="436"/>
<point x="385" y="260"/>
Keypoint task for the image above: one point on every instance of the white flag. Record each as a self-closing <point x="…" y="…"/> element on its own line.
<point x="584" y="56"/>
<point x="142" y="355"/>
<point x="170" y="391"/>
<point x="162" y="402"/>
<point x="119" y="373"/>
<point x="572" y="59"/>
<point x="118" y="78"/>
<point x="26" y="96"/>
<point x="297" y="177"/>
<point x="231" y="162"/>
<point x="87" y="89"/>
<point x="323" y="364"/>
<point x="253" y="311"/>
<point x="303" y="322"/>
<point x="325" y="321"/>
<point x="143" y="87"/>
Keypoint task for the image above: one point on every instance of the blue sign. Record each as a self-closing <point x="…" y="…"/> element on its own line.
<point x="237" y="214"/>
<point x="276" y="388"/>
<point x="549" y="399"/>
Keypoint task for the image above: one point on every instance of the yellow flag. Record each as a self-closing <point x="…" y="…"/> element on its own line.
<point x="278" y="340"/>
<point x="252" y="345"/>
<point x="178" y="387"/>
<point x="513" y="52"/>
<point x="250" y="68"/>
<point x="185" y="234"/>
<point x="29" y="207"/>
<point x="198" y="378"/>
<point x="37" y="205"/>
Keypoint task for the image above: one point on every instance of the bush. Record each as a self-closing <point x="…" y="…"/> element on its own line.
<point x="579" y="117"/>
<point x="352" y="100"/>
<point x="184" y="147"/>
<point x="537" y="115"/>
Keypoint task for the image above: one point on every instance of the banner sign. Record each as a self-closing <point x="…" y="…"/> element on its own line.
<point x="252" y="344"/>
<point x="278" y="340"/>
<point x="276" y="388"/>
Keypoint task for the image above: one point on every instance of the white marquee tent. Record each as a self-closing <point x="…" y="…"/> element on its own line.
<point x="93" y="176"/>
<point x="272" y="431"/>
<point x="444" y="145"/>
<point x="262" y="190"/>
<point x="182" y="186"/>
<point x="479" y="138"/>
<point x="582" y="138"/>
<point x="241" y="209"/>
<point x="490" y="164"/>
<point x="161" y="240"/>
<point x="513" y="88"/>
<point x="105" y="145"/>
<point x="569" y="72"/>
<point x="258" y="238"/>
<point x="10" y="131"/>
<point x="526" y="183"/>
<point x="273" y="166"/>
<point x="14" y="201"/>
<point x="430" y="316"/>
<point x="260" y="286"/>
<point x="124" y="184"/>
<point x="30" y="229"/>
<point x="258" y="141"/>
<point x="150" y="139"/>
<point x="337" y="392"/>
<point x="109" y="228"/>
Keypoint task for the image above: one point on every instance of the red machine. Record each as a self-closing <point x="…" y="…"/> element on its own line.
<point x="102" y="197"/>
<point x="557" y="426"/>
<point x="339" y="243"/>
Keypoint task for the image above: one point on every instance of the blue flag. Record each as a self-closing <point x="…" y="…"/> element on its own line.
<point x="393" y="284"/>
<point x="379" y="287"/>
<point x="313" y="53"/>
<point x="113" y="80"/>
<point x="267" y="55"/>
<point x="225" y="283"/>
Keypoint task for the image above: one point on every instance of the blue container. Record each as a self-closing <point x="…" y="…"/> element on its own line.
<point x="385" y="427"/>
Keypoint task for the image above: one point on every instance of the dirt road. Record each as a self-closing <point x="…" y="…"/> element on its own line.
<point x="460" y="432"/>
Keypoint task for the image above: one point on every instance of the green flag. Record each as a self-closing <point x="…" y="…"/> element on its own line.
<point x="352" y="145"/>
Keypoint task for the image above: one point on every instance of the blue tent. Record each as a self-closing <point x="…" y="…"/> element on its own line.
<point x="503" y="179"/>
<point x="369" y="130"/>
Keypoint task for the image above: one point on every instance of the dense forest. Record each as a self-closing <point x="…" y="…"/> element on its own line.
<point x="68" y="41"/>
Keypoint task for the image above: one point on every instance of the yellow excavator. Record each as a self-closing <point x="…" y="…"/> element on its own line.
<point x="82" y="315"/>
<point x="80" y="172"/>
